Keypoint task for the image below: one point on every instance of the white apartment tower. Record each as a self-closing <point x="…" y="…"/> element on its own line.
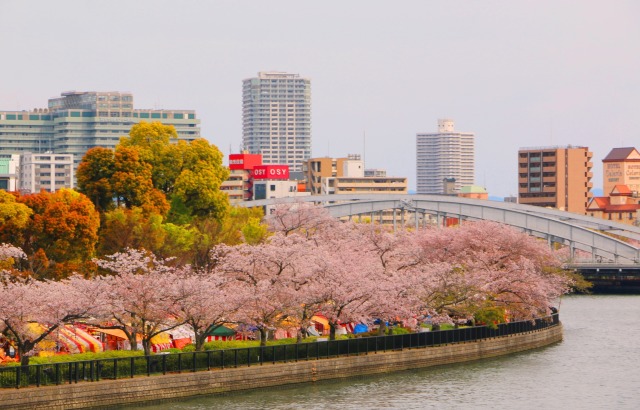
<point x="276" y="118"/>
<point x="443" y="156"/>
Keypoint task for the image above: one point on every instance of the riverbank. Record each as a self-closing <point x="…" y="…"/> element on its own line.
<point x="109" y="393"/>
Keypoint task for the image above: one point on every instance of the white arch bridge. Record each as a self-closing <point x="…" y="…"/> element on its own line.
<point x="603" y="240"/>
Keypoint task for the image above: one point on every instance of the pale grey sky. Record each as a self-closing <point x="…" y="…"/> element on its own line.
<point x="517" y="73"/>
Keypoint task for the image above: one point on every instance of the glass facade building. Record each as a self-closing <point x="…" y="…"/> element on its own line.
<point x="77" y="121"/>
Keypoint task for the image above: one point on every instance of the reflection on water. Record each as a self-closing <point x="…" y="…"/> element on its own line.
<point x="596" y="366"/>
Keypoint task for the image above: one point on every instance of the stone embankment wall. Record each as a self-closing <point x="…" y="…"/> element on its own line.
<point x="108" y="393"/>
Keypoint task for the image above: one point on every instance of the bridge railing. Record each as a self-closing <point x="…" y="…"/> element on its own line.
<point x="129" y="367"/>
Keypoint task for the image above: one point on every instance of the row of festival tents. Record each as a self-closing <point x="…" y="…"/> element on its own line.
<point x="80" y="338"/>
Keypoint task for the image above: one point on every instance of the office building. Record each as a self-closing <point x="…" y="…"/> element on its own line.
<point x="442" y="156"/>
<point x="77" y="121"/>
<point x="329" y="176"/>
<point x="49" y="172"/>
<point x="555" y="177"/>
<point x="325" y="167"/>
<point x="276" y="118"/>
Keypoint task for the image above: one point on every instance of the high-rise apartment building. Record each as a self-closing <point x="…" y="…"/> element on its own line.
<point x="78" y="121"/>
<point x="446" y="155"/>
<point x="276" y="118"/>
<point x="555" y="177"/>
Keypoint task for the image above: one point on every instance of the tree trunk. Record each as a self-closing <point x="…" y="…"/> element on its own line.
<point x="200" y="340"/>
<point x="146" y="345"/>
<point x="263" y="336"/>
<point x="133" y="341"/>
<point x="332" y="331"/>
<point x="23" y="349"/>
<point x="24" y="359"/>
<point x="382" y="328"/>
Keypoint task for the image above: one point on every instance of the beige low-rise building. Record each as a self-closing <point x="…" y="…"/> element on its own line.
<point x="621" y="184"/>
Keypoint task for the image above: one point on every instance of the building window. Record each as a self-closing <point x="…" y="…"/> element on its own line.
<point x="272" y="187"/>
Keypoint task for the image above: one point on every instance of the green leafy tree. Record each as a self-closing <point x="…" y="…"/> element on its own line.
<point x="95" y="175"/>
<point x="198" y="184"/>
<point x="130" y="228"/>
<point x="159" y="147"/>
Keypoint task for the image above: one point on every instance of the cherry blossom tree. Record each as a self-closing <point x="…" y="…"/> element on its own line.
<point x="301" y="217"/>
<point x="269" y="274"/>
<point x="395" y="256"/>
<point x="9" y="255"/>
<point x="484" y="265"/>
<point x="141" y="297"/>
<point x="31" y="310"/>
<point x="207" y="300"/>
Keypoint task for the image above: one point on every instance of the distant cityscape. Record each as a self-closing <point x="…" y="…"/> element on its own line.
<point x="40" y="149"/>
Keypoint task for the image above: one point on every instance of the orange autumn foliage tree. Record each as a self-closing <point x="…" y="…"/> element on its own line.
<point x="65" y="226"/>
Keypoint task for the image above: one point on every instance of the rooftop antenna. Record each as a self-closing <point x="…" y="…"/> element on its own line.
<point x="364" y="148"/>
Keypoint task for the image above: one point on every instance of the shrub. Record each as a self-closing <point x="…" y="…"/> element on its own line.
<point x="189" y="348"/>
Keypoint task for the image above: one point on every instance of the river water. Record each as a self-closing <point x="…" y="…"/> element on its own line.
<point x="596" y="366"/>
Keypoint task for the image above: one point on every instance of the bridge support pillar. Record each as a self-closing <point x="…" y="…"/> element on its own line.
<point x="395" y="228"/>
<point x="572" y="250"/>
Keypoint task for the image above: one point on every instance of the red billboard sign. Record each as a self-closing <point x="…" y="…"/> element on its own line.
<point x="244" y="161"/>
<point x="271" y="172"/>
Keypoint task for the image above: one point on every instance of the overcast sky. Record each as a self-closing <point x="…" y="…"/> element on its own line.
<point x="517" y="73"/>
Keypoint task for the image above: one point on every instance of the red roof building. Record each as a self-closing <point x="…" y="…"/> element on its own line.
<point x="621" y="167"/>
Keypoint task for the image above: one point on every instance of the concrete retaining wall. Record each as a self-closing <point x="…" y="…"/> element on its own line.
<point x="108" y="393"/>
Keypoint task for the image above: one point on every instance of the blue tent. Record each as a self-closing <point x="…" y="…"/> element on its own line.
<point x="360" y="328"/>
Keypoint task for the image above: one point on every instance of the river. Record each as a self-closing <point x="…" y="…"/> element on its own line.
<point x="596" y="366"/>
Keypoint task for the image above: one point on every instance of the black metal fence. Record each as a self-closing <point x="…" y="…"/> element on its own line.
<point x="120" y="368"/>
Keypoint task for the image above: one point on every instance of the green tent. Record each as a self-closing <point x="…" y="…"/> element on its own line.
<point x="221" y="331"/>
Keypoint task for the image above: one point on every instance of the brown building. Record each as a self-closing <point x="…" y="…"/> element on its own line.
<point x="555" y="177"/>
